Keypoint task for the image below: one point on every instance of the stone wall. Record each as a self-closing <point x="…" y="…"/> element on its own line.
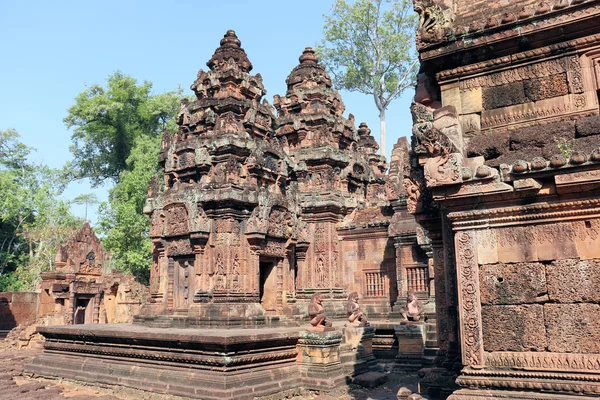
<point x="19" y="308"/>
<point x="504" y="179"/>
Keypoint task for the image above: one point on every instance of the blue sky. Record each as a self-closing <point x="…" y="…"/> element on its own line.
<point x="52" y="50"/>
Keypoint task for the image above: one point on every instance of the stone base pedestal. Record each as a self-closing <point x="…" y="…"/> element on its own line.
<point x="357" y="356"/>
<point x="319" y="360"/>
<point x="411" y="342"/>
<point x="465" y="394"/>
<point x="522" y="383"/>
<point x="211" y="364"/>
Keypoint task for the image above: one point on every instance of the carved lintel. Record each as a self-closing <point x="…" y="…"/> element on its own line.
<point x="256" y="240"/>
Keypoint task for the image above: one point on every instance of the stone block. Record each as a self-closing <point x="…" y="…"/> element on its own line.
<point x="506" y="284"/>
<point x="451" y="97"/>
<point x="471" y="100"/>
<point x="555" y="241"/>
<point x="487" y="246"/>
<point x="370" y="379"/>
<point x="513" y="328"/>
<point x="516" y="244"/>
<point x="319" y="347"/>
<point x="541" y="136"/>
<point x="403" y="393"/>
<point x="573" y="328"/>
<point x="488" y="146"/>
<point x="411" y="338"/>
<point x="587" y="238"/>
<point x="573" y="281"/>
<point x="503" y="96"/>
<point x="360" y="337"/>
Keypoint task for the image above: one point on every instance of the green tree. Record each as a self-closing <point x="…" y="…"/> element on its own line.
<point x="116" y="136"/>
<point x="33" y="219"/>
<point x="368" y="47"/>
<point x="16" y="208"/>
<point x="107" y="120"/>
<point x="121" y="220"/>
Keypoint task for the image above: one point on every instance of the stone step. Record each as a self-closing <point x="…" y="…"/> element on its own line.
<point x="370" y="379"/>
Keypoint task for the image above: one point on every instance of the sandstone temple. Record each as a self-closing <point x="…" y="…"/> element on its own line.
<point x="474" y="257"/>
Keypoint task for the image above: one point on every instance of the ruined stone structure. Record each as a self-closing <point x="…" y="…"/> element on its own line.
<point x="81" y="289"/>
<point x="504" y="179"/>
<point x="254" y="214"/>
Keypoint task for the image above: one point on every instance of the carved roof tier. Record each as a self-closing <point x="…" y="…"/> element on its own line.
<point x="228" y="98"/>
<point x="310" y="114"/>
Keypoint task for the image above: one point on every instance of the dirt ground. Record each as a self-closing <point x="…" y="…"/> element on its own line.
<point x="15" y="386"/>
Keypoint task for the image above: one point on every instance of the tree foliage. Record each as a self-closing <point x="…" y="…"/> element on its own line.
<point x="33" y="219"/>
<point x="368" y="47"/>
<point x="116" y="136"/>
<point x="107" y="120"/>
<point x="122" y="220"/>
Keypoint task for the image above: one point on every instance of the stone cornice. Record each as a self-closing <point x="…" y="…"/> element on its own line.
<point x="523" y="215"/>
<point x="473" y="37"/>
<point x="510" y="61"/>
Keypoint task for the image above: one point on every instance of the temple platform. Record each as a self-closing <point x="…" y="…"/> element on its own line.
<point x="204" y="363"/>
<point x="197" y="363"/>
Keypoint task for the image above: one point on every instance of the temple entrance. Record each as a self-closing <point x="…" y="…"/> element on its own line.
<point x="268" y="290"/>
<point x="82" y="314"/>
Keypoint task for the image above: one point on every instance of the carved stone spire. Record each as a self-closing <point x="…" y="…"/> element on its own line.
<point x="310" y="114"/>
<point x="366" y="142"/>
<point x="230" y="50"/>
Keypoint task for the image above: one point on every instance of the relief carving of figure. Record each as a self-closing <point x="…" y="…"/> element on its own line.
<point x="316" y="311"/>
<point x="355" y="316"/>
<point x="321" y="272"/>
<point x="413" y="310"/>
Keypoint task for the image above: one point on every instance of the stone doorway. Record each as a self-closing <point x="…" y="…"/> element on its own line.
<point x="268" y="285"/>
<point x="83" y="311"/>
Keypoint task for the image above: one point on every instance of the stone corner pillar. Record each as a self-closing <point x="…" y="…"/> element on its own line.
<point x="411" y="343"/>
<point x="319" y="359"/>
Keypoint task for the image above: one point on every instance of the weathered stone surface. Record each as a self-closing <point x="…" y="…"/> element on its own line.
<point x="586" y="144"/>
<point x="489" y="146"/>
<point x="541" y="136"/>
<point x="517" y="244"/>
<point x="547" y="87"/>
<point x="511" y="156"/>
<point x="573" y="328"/>
<point x="471" y="101"/>
<point x="503" y="96"/>
<point x="451" y="96"/>
<point x="370" y="379"/>
<point x="519" y="283"/>
<point x="514" y="328"/>
<point x="587" y="126"/>
<point x="573" y="281"/>
<point x="471" y="123"/>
